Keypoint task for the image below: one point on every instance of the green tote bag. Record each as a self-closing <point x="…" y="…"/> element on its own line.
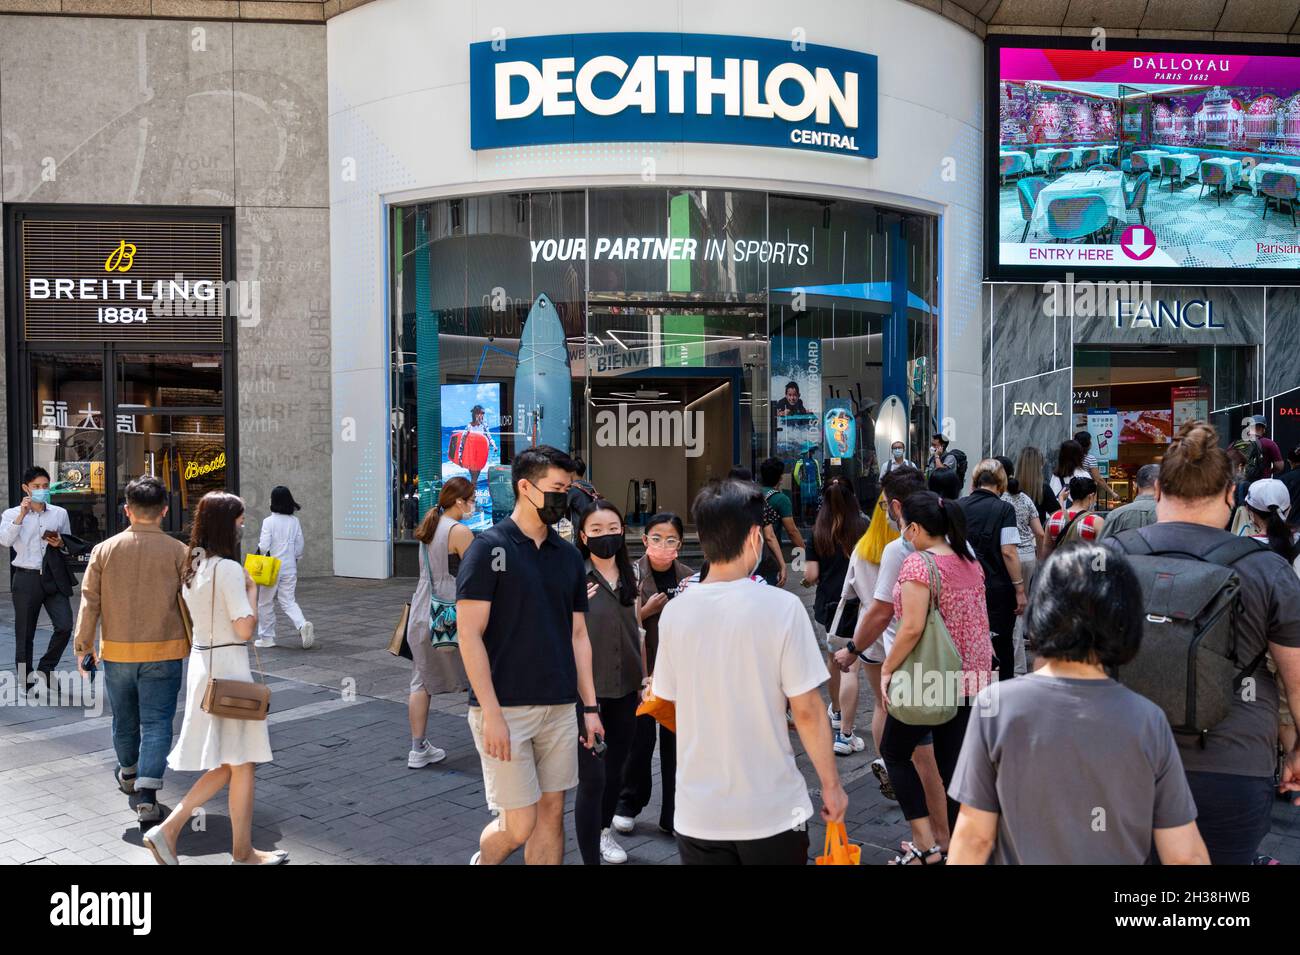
<point x="924" y="691"/>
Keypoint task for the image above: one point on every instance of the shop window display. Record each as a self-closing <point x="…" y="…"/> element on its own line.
<point x="651" y="332"/>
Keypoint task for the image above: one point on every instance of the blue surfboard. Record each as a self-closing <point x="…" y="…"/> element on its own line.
<point x="542" y="380"/>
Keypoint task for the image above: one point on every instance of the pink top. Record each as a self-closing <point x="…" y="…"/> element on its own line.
<point x="961" y="603"/>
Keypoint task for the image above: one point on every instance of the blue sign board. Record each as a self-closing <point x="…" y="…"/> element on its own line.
<point x="672" y="87"/>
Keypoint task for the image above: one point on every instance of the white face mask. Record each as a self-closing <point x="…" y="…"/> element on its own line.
<point x="758" y="562"/>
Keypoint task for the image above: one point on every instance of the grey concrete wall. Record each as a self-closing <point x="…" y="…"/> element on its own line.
<point x="175" y="112"/>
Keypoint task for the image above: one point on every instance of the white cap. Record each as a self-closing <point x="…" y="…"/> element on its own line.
<point x="1268" y="493"/>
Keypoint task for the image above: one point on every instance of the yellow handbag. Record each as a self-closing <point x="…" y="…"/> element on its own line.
<point x="264" y="570"/>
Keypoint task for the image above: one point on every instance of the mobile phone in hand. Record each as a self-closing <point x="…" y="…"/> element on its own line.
<point x="88" y="663"/>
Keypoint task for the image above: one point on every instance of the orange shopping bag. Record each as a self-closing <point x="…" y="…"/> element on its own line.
<point x="839" y="851"/>
<point x="663" y="711"/>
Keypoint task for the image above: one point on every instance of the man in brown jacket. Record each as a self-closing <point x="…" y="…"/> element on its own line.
<point x="130" y="589"/>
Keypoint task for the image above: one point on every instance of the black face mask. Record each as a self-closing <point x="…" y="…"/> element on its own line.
<point x="605" y="545"/>
<point x="555" y="504"/>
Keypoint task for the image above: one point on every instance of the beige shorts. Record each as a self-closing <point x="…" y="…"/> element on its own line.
<point x="543" y="754"/>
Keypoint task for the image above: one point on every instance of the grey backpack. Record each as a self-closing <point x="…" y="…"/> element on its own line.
<point x="1188" y="664"/>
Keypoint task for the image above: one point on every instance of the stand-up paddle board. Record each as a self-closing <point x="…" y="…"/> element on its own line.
<point x="542" y="385"/>
<point x="542" y="380"/>
<point x="469" y="449"/>
<point x="891" y="426"/>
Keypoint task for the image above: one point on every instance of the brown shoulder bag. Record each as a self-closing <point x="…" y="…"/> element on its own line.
<point x="233" y="699"/>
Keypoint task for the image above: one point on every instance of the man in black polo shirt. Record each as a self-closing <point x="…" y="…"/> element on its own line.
<point x="991" y="531"/>
<point x="521" y="596"/>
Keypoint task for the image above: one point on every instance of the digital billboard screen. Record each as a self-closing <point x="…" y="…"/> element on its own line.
<point x="1166" y="157"/>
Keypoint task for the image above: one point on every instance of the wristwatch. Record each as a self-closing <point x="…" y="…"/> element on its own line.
<point x="590" y="709"/>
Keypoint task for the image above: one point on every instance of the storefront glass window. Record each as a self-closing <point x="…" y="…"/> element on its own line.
<point x="99" y="399"/>
<point x="1134" y="399"/>
<point x="68" y="435"/>
<point x="677" y="319"/>
<point x="169" y="380"/>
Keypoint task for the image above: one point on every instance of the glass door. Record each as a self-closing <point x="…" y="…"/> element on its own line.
<point x="67" y="435"/>
<point x="169" y="421"/>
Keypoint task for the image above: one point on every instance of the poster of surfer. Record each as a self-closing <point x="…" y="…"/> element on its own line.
<point x="796" y="396"/>
<point x="471" y="433"/>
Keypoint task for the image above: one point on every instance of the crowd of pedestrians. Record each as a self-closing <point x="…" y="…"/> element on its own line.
<point x="1010" y="637"/>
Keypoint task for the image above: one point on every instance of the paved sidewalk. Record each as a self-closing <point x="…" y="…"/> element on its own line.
<point x="338" y="790"/>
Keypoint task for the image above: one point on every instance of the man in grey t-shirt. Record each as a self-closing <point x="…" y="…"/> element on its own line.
<point x="1141" y="511"/>
<point x="1066" y="766"/>
<point x="1112" y="749"/>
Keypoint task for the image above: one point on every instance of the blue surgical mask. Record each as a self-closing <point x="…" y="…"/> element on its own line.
<point x="40" y="495"/>
<point x="898" y="454"/>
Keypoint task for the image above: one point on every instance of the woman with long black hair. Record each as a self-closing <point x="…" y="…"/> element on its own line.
<point x="618" y="668"/>
<point x="839" y="526"/>
<point x="936" y="528"/>
<point x="1269" y="504"/>
<point x="1069" y="464"/>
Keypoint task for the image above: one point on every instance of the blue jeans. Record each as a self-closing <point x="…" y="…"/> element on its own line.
<point x="1233" y="813"/>
<point x="143" y="697"/>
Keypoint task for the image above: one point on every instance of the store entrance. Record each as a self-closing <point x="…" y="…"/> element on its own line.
<point x="102" y="415"/>
<point x="1133" y="400"/>
<point x="658" y="437"/>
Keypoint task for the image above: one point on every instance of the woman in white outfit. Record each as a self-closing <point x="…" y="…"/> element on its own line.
<point x="443" y="542"/>
<point x="282" y="537"/>
<point x="219" y="595"/>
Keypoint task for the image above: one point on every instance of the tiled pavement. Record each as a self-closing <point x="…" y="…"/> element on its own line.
<point x="338" y="790"/>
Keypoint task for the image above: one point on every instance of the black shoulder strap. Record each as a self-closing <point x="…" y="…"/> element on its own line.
<point x="1225" y="554"/>
<point x="1066" y="529"/>
<point x="1231" y="551"/>
<point x="1133" y="542"/>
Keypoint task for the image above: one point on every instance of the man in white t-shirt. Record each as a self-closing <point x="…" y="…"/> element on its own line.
<point x="733" y="654"/>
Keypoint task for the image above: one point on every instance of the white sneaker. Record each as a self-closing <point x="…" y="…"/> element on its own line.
<point x="263" y="644"/>
<point x="835" y="717"/>
<point x="430" y="754"/>
<point x="308" y="634"/>
<point x="844" y="745"/>
<point x="624" y="824"/>
<point x="473" y="860"/>
<point x="611" y="851"/>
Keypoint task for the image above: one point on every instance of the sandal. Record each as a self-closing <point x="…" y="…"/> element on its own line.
<point x="912" y="855"/>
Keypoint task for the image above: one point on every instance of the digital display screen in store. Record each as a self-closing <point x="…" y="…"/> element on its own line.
<point x="1163" y="157"/>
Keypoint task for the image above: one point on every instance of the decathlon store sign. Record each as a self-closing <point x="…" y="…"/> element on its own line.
<point x="672" y="87"/>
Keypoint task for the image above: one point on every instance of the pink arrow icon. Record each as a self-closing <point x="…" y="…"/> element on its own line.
<point x="1138" y="242"/>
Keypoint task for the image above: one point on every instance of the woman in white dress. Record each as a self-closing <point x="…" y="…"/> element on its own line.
<point x="220" y="596"/>
<point x="281" y="537"/>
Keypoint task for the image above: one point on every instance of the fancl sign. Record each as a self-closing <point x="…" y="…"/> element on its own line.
<point x="1196" y="314"/>
<point x="672" y="87"/>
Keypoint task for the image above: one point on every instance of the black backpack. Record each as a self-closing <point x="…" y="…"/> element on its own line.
<point x="1254" y="456"/>
<point x="960" y="457"/>
<point x="1188" y="663"/>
